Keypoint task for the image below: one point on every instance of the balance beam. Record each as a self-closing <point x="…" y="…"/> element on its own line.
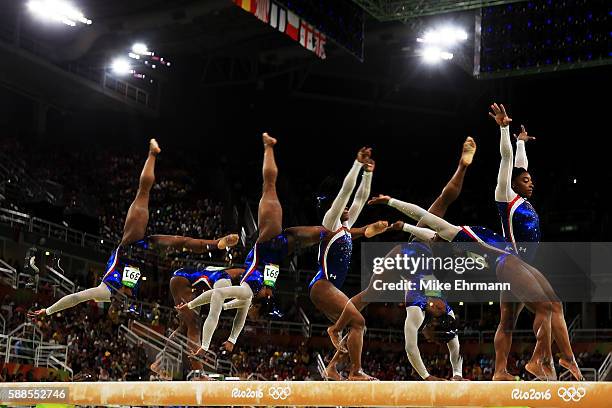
<point x="317" y="393"/>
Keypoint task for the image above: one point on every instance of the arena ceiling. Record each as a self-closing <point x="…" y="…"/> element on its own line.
<point x="390" y="10"/>
<point x="217" y="45"/>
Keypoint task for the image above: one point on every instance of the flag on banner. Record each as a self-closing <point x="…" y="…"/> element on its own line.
<point x="293" y="25"/>
<point x="320" y="41"/>
<point x="282" y="19"/>
<point x="274" y="15"/>
<point x="286" y="21"/>
<point x="278" y="17"/>
<point x="307" y="33"/>
<point x="248" y="5"/>
<point x="263" y="10"/>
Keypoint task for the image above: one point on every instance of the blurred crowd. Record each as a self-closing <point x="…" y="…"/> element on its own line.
<point x="97" y="350"/>
<point x="275" y="363"/>
<point x="102" y="185"/>
<point x="175" y="207"/>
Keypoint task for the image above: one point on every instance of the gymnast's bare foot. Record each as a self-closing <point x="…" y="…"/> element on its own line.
<point x="199" y="353"/>
<point x="376" y="228"/>
<point x="155" y="366"/>
<point x="268" y="140"/>
<point x="503" y="376"/>
<point x="469" y="149"/>
<point x="331" y="374"/>
<point x="202" y="377"/>
<point x="228" y="241"/>
<point x="359" y="375"/>
<point x="162" y="374"/>
<point x="573" y="368"/>
<point x="537" y="369"/>
<point x="154" y="147"/>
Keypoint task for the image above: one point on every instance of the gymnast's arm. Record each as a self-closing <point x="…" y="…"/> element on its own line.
<point x="362" y="194"/>
<point x="520" y="160"/>
<point x="503" y="189"/>
<point x="193" y="244"/>
<point x="420" y="233"/>
<point x="331" y="220"/>
<point x="414" y="318"/>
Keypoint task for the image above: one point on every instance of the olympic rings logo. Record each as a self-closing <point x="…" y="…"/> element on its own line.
<point x="571" y="393"/>
<point x="279" y="392"/>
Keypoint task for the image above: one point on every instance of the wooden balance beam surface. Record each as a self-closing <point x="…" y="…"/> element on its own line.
<point x="315" y="393"/>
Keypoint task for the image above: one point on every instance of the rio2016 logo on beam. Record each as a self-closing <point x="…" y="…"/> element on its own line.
<point x="530" y="394"/>
<point x="248" y="393"/>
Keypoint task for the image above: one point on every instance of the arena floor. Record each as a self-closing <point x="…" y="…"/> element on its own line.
<point x="319" y="393"/>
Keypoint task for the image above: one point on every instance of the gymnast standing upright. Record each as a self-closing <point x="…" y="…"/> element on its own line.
<point x="521" y="229"/>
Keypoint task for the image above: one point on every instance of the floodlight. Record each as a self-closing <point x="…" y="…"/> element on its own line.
<point x="58" y="10"/>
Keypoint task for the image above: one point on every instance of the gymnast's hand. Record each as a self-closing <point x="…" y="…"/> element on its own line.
<point x="364" y="154"/>
<point x="396" y="226"/>
<point x="37" y="313"/>
<point x="499" y="114"/>
<point x="381" y="199"/>
<point x="434" y="378"/>
<point x="182" y="306"/>
<point x="523" y="135"/>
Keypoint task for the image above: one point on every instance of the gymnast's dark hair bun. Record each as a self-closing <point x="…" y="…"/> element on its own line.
<point x="518" y="171"/>
<point x="442" y="329"/>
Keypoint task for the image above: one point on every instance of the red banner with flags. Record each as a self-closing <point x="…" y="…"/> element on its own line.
<point x="286" y="21"/>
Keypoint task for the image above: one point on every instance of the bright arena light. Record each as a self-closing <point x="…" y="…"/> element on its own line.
<point x="121" y="66"/>
<point x="140" y="49"/>
<point x="438" y="42"/>
<point x="58" y="10"/>
<point x="444" y="36"/>
<point x="433" y="55"/>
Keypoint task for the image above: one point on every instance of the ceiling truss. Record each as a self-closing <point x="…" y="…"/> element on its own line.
<point x="390" y="10"/>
